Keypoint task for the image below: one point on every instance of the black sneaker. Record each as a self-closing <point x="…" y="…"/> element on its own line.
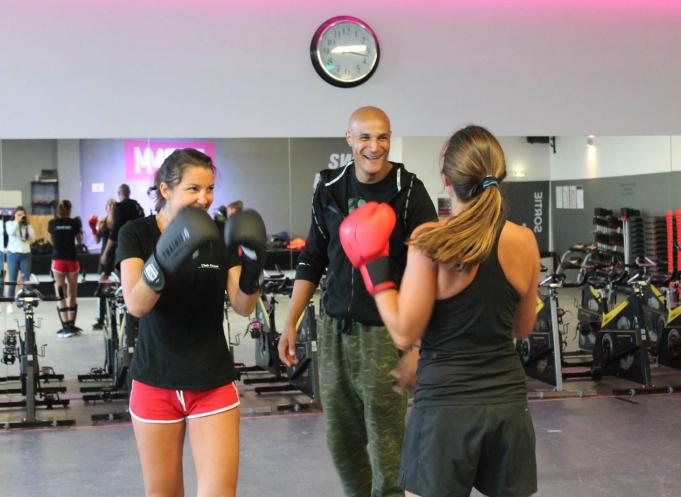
<point x="99" y="325"/>
<point x="76" y="330"/>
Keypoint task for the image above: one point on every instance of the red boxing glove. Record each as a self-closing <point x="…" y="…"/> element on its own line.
<point x="365" y="237"/>
<point x="92" y="221"/>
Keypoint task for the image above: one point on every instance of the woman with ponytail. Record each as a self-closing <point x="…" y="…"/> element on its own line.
<point x="468" y="289"/>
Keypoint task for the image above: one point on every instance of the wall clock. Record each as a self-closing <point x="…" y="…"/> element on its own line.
<point x="345" y="51"/>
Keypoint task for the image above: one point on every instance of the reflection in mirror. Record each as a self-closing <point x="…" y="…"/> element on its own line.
<point x="544" y="188"/>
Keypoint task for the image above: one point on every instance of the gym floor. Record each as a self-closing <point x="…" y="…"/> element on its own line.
<point x="589" y="442"/>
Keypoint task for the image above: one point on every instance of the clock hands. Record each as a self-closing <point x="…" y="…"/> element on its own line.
<point x="360" y="50"/>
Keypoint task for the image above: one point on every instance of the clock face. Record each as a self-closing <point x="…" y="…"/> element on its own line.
<point x="345" y="51"/>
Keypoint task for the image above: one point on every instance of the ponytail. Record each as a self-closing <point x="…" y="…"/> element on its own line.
<point x="474" y="164"/>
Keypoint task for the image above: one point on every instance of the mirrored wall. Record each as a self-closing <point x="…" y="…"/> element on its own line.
<point x="553" y="185"/>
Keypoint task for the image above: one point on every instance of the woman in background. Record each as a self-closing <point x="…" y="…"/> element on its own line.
<point x="101" y="231"/>
<point x="20" y="236"/>
<point x="65" y="233"/>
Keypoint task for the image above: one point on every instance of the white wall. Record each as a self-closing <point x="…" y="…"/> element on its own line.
<point x="422" y="156"/>
<point x="209" y="68"/>
<point x="675" y="153"/>
<point x="531" y="159"/>
<point x="614" y="156"/>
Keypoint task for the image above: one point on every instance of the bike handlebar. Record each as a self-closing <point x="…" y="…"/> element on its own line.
<point x="31" y="295"/>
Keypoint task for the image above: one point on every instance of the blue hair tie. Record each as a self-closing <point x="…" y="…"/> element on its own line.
<point x="488" y="181"/>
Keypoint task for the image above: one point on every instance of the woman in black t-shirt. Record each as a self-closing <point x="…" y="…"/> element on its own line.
<point x="183" y="373"/>
<point x="65" y="232"/>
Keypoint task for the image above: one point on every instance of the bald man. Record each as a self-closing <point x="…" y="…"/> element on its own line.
<point x="364" y="417"/>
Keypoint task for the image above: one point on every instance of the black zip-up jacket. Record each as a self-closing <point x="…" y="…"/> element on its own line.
<point x="346" y="296"/>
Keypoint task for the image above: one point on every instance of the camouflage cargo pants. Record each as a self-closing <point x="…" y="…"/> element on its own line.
<point x="364" y="417"/>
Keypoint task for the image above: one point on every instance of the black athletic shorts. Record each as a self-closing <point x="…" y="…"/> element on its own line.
<point x="448" y="450"/>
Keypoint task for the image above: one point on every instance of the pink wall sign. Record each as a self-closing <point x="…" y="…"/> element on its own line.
<point x="143" y="158"/>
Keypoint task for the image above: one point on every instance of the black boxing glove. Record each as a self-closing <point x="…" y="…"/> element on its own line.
<point x="246" y="229"/>
<point x="191" y="228"/>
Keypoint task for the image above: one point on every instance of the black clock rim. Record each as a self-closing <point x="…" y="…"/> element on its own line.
<point x="317" y="65"/>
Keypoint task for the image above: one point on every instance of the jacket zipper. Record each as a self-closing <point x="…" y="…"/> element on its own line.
<point x="352" y="288"/>
<point x="397" y="193"/>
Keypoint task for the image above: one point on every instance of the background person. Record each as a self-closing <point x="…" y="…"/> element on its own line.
<point x="65" y="233"/>
<point x="234" y="207"/>
<point x="20" y="235"/>
<point x="125" y="210"/>
<point x="101" y="230"/>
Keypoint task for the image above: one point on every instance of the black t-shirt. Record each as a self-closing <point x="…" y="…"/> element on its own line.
<point x="181" y="341"/>
<point x="104" y="234"/>
<point x="64" y="231"/>
<point x="124" y="211"/>
<point x="360" y="193"/>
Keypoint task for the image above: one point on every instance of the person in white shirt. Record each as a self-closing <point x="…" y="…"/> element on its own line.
<point x="20" y="235"/>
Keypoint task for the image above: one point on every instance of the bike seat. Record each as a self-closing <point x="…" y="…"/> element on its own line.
<point x="659" y="279"/>
<point x="597" y="281"/>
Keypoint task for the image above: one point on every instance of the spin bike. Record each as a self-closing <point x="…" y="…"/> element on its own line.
<point x="622" y="347"/>
<point x="540" y="350"/>
<point x="302" y="377"/>
<point x="599" y="274"/>
<point x="656" y="307"/>
<point x="26" y="350"/>
<point x="543" y="351"/>
<point x="120" y="337"/>
<point x="263" y="330"/>
<point x="669" y="337"/>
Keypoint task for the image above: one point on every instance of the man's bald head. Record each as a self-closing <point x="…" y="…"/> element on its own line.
<point x="369" y="137"/>
<point x="364" y="114"/>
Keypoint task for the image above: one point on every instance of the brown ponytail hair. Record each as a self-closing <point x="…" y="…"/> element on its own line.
<point x="474" y="164"/>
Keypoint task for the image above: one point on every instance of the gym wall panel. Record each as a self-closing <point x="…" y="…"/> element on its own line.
<point x="22" y="160"/>
<point x="527" y="204"/>
<point x="254" y="171"/>
<point x="257" y="173"/>
<point x="102" y="162"/>
<point x="653" y="194"/>
<point x="273" y="175"/>
<point x="308" y="157"/>
<point x="68" y="167"/>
